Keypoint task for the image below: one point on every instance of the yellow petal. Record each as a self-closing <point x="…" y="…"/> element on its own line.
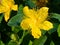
<point x="47" y="25"/>
<point x="7" y="15"/>
<point x="25" y="24"/>
<point x="42" y="13"/>
<point x="26" y="10"/>
<point x="5" y="5"/>
<point x="2" y="8"/>
<point x="36" y="33"/>
<point x="29" y="12"/>
<point x="15" y="7"/>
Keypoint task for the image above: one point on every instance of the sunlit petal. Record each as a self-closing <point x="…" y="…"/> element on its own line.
<point x="47" y="25"/>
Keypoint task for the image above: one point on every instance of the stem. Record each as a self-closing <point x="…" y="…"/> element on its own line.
<point x="24" y="34"/>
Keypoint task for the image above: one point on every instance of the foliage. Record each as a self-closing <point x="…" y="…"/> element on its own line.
<point x="11" y="33"/>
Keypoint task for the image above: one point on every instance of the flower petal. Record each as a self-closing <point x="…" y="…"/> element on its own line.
<point x="2" y="9"/>
<point x="36" y="33"/>
<point x="42" y="13"/>
<point x="26" y="11"/>
<point x="15" y="7"/>
<point x="25" y="24"/>
<point x="29" y="12"/>
<point x="47" y="25"/>
<point x="7" y="15"/>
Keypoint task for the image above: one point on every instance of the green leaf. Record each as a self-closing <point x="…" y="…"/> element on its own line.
<point x="58" y="30"/>
<point x="30" y="3"/>
<point x="30" y="43"/>
<point x="55" y="26"/>
<point x="43" y="32"/>
<point x="12" y="43"/>
<point x="1" y="16"/>
<point x="16" y="29"/>
<point x="15" y="21"/>
<point x="55" y="15"/>
<point x="1" y="43"/>
<point x="20" y="10"/>
<point x="52" y="43"/>
<point x="40" y="41"/>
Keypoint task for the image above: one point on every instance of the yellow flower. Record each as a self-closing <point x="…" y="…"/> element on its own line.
<point x="36" y="20"/>
<point x="6" y="6"/>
